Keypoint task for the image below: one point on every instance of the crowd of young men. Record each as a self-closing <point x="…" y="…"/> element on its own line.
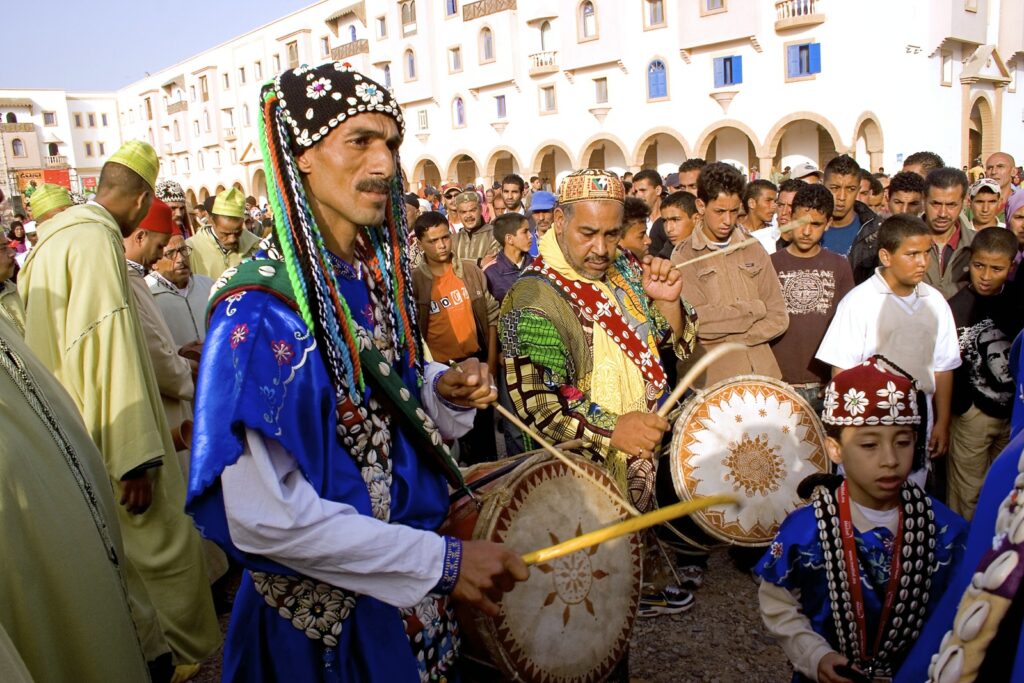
<point x="578" y="305"/>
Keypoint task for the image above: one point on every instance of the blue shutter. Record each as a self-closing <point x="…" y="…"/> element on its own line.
<point x="662" y="77"/>
<point x="815" y="58"/>
<point x="737" y="70"/>
<point x="719" y="72"/>
<point x="792" y="61"/>
<point x="656" y="80"/>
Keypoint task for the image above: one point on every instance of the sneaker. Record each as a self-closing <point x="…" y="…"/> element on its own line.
<point x="672" y="600"/>
<point x="691" y="576"/>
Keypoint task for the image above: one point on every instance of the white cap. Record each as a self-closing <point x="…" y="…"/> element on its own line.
<point x="803" y="170"/>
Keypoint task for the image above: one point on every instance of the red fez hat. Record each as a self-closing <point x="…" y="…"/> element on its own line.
<point x="158" y="219"/>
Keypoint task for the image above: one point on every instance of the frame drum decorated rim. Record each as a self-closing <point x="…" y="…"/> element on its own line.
<point x="752" y="436"/>
<point x="572" y="619"/>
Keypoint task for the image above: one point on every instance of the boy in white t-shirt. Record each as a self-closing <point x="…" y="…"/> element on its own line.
<point x="894" y="313"/>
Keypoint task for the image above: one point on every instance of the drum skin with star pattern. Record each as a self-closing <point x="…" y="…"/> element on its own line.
<point x="572" y="619"/>
<point x="753" y="437"/>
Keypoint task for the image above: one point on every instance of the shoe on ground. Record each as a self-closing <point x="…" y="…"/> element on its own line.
<point x="672" y="600"/>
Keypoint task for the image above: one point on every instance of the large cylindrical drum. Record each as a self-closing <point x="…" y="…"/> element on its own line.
<point x="572" y="619"/>
<point x="751" y="436"/>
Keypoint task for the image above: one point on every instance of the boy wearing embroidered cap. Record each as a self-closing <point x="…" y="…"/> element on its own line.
<point x="847" y="583"/>
<point x="226" y="243"/>
<point x="48" y="201"/>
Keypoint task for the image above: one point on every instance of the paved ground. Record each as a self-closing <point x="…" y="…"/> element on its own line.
<point x="720" y="640"/>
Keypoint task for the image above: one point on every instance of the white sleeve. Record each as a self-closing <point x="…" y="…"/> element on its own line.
<point x="842" y="345"/>
<point x="273" y="511"/>
<point x="783" y="619"/>
<point x="451" y="423"/>
<point x="947" y="345"/>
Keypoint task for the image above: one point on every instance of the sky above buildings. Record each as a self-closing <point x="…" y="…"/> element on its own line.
<point x="108" y="44"/>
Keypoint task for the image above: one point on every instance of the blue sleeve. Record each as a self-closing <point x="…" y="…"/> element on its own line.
<point x="795" y="547"/>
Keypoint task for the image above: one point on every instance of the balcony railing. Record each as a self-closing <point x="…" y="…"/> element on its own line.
<point x="790" y="14"/>
<point x="175" y="107"/>
<point x="17" y="128"/>
<point x="482" y="8"/>
<point x="55" y="161"/>
<point x="356" y="47"/>
<point x="543" y="62"/>
<point x="230" y="135"/>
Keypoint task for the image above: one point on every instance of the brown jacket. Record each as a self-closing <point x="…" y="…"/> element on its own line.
<point x="738" y="299"/>
<point x="485" y="307"/>
<point x="957" y="273"/>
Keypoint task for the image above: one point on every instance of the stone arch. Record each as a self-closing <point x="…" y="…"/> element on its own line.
<point x="220" y="188"/>
<point x="606" y="151"/>
<point x="552" y="161"/>
<point x="739" y="145"/>
<point x="868" y="133"/>
<point x="426" y="171"/>
<point x="658" y="137"/>
<point x="980" y="130"/>
<point x="190" y="198"/>
<point x="203" y="194"/>
<point x="502" y="161"/>
<point x="808" y="137"/>
<point x="464" y="168"/>
<point x="259" y="186"/>
<point x="238" y="186"/>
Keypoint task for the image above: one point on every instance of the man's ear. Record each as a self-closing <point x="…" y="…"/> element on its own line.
<point x="305" y="161"/>
<point x="701" y="206"/>
<point x="834" y="450"/>
<point x="885" y="257"/>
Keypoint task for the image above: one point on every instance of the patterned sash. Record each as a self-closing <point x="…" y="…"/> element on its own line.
<point x="592" y="305"/>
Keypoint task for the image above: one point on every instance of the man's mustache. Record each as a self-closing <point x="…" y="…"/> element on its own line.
<point x="378" y="185"/>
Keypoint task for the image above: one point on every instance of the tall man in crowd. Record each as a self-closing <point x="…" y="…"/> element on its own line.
<point x="458" y="317"/>
<point x="945" y="190"/>
<point x="736" y="295"/>
<point x="335" y="501"/>
<point x="999" y="167"/>
<point x="226" y="243"/>
<point x="854" y="231"/>
<point x="83" y="323"/>
<point x="476" y="239"/>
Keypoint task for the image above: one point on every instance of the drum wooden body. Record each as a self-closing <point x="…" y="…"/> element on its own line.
<point x="572" y="619"/>
<point x="752" y="436"/>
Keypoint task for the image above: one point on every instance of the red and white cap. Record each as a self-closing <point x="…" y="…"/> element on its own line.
<point x="876" y="392"/>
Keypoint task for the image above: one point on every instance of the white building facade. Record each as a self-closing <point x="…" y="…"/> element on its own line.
<point x="539" y="87"/>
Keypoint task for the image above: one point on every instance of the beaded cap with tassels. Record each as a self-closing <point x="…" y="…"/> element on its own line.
<point x="299" y="108"/>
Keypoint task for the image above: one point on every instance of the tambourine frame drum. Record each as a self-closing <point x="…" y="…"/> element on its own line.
<point x="752" y="436"/>
<point x="572" y="619"/>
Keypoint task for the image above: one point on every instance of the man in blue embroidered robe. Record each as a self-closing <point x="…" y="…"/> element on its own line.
<point x="314" y="463"/>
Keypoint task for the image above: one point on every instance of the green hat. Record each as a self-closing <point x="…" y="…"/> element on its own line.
<point x="141" y="158"/>
<point x="230" y="203"/>
<point x="48" y="197"/>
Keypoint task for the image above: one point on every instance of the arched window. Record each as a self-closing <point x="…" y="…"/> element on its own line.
<point x="657" y="82"/>
<point x="18" y="147"/>
<point x="351" y="34"/>
<point x="177" y="132"/>
<point x="409" y="12"/>
<point x="588" y="20"/>
<point x="486" y="45"/>
<point x="11" y="118"/>
<point x="51" y="149"/>
<point x="387" y="75"/>
<point x="458" y="112"/>
<point x="410" y="66"/>
<point x="545" y="36"/>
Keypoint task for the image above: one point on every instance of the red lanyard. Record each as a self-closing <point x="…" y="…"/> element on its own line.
<point x="853" y="574"/>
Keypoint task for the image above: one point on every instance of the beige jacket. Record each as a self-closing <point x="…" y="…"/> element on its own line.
<point x="738" y="299"/>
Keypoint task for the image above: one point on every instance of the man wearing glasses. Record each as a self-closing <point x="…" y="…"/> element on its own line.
<point x="180" y="294"/>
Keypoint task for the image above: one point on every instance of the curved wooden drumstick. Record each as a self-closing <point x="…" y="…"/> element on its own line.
<point x="628" y="526"/>
<point x="698" y="368"/>
<point x="788" y="227"/>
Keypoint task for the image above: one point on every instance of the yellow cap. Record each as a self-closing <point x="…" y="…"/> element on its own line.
<point x="230" y="203"/>
<point x="48" y="197"/>
<point x="141" y="158"/>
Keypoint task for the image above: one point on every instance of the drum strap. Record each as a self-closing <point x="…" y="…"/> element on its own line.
<point x="907" y="592"/>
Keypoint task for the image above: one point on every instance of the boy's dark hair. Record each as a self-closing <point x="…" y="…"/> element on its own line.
<point x="928" y="161"/>
<point x="682" y="199"/>
<point x="995" y="240"/>
<point x="427" y="220"/>
<point x="815" y="197"/>
<point x="875" y="186"/>
<point x="843" y="164"/>
<point x="650" y="175"/>
<point x="754" y="189"/>
<point x="945" y="179"/>
<point x="906" y="181"/>
<point x="900" y="227"/>
<point x="716" y="179"/>
<point x="694" y="164"/>
<point x="412" y="199"/>
<point x="792" y="185"/>
<point x="513" y="179"/>
<point x="507" y="224"/>
<point x="634" y="210"/>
